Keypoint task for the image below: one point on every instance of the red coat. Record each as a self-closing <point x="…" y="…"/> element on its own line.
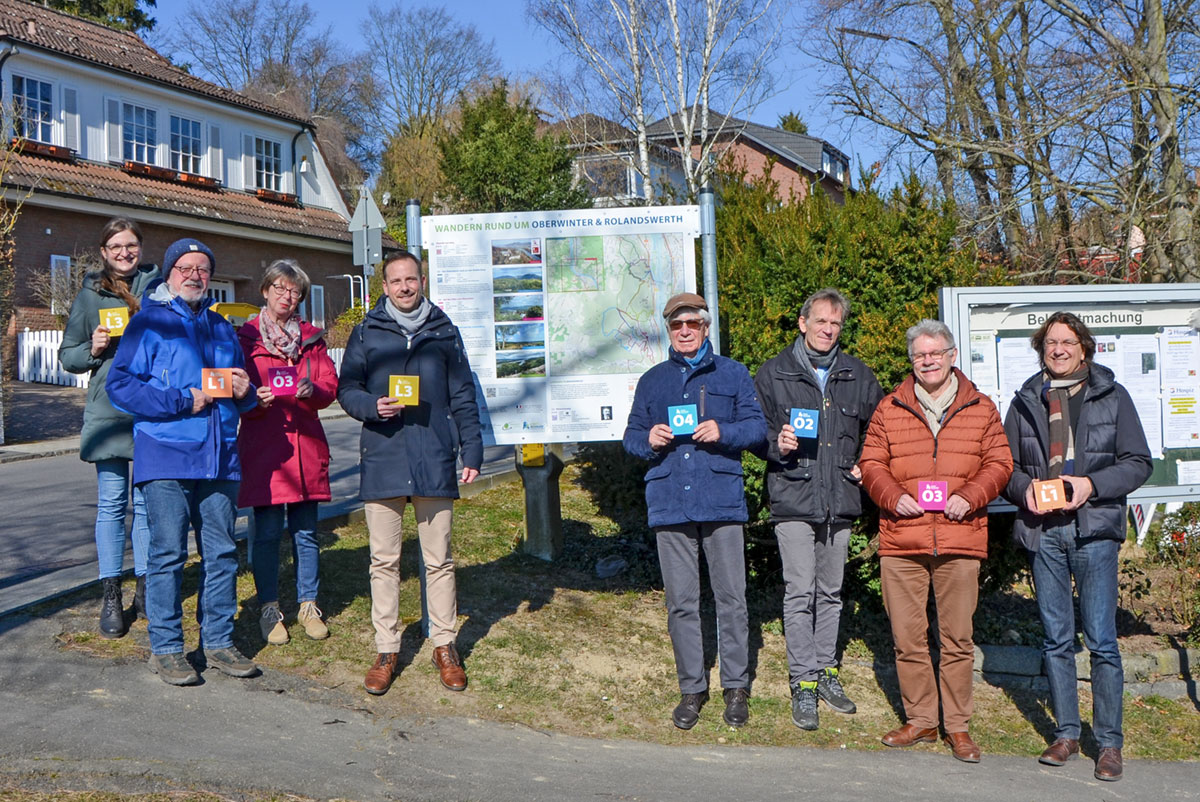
<point x="285" y="457"/>
<point x="970" y="454"/>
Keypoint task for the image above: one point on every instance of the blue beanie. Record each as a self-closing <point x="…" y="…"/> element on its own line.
<point x="186" y="245"/>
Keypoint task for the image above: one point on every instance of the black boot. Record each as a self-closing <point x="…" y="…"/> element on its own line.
<point x="139" y="598"/>
<point x="112" y="611"/>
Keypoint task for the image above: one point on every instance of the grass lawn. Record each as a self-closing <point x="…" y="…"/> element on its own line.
<point x="550" y="646"/>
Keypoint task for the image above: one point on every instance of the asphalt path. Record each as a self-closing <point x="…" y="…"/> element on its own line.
<point x="47" y="528"/>
<point x="73" y="721"/>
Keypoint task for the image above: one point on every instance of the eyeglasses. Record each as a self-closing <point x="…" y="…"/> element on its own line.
<point x="930" y="354"/>
<point x="188" y="272"/>
<point x="1057" y="343"/>
<point x="691" y="323"/>
<point x="280" y="289"/>
<point x="132" y="248"/>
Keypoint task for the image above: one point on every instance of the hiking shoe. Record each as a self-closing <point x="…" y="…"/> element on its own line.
<point x="270" y="623"/>
<point x="173" y="669"/>
<point x="830" y="689"/>
<point x="310" y="617"/>
<point x="737" y="712"/>
<point x="112" y="609"/>
<point x="687" y="712"/>
<point x="232" y="662"/>
<point x="804" y="706"/>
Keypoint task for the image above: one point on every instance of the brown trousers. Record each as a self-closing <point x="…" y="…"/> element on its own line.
<point x="955" y="581"/>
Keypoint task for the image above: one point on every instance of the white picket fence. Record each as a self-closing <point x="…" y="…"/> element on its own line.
<point x="37" y="360"/>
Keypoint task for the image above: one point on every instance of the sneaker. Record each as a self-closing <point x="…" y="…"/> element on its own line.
<point x="737" y="712"/>
<point x="830" y="689"/>
<point x="173" y="669"/>
<point x="112" y="609"/>
<point x="270" y="623"/>
<point x="804" y="706"/>
<point x="687" y="712"/>
<point x="232" y="662"/>
<point x="310" y="617"/>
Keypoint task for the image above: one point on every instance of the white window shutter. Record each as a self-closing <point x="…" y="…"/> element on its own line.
<point x="216" y="156"/>
<point x="247" y="162"/>
<point x="114" y="131"/>
<point x="70" y="119"/>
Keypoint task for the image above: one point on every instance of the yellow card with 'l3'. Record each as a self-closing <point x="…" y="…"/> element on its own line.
<point x="407" y="389"/>
<point x="115" y="319"/>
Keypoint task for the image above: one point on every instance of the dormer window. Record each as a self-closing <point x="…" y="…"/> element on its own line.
<point x="268" y="164"/>
<point x="33" y="109"/>
<point x="139" y="133"/>
<point x="185" y="145"/>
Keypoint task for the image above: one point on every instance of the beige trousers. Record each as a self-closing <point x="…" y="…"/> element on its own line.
<point x="384" y="518"/>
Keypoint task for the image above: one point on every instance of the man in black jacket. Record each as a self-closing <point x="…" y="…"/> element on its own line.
<point x="405" y="376"/>
<point x="818" y="402"/>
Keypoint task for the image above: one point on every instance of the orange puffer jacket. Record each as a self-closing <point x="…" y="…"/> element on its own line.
<point x="970" y="454"/>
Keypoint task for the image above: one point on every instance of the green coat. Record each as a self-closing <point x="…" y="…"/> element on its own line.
<point x="107" y="433"/>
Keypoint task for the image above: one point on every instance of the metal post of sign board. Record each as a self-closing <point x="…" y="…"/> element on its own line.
<point x="412" y="224"/>
<point x="708" y="253"/>
<point x="366" y="233"/>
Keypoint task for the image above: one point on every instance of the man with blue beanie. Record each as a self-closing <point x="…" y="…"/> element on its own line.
<point x="178" y="372"/>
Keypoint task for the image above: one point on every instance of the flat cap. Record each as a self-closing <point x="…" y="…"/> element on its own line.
<point x="684" y="300"/>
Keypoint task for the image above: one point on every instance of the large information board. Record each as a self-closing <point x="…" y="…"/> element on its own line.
<point x="560" y="311"/>
<point x="1145" y="333"/>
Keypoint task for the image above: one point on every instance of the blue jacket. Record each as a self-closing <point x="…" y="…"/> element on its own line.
<point x="159" y="360"/>
<point x="1110" y="450"/>
<point x="688" y="481"/>
<point x="415" y="452"/>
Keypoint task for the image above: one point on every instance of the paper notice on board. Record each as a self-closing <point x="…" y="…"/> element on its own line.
<point x="1140" y="366"/>
<point x="1017" y="361"/>
<point x="1180" y="346"/>
<point x="1149" y="409"/>
<point x="1188" y="472"/>
<point x="1181" y="424"/>
<point x="983" y="363"/>
<point x="1110" y="355"/>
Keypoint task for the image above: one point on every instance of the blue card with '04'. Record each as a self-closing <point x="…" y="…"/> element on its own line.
<point x="682" y="418"/>
<point x="804" y="421"/>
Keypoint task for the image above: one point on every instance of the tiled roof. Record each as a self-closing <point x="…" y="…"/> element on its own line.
<point x="105" y="184"/>
<point x="26" y="23"/>
<point x="591" y="129"/>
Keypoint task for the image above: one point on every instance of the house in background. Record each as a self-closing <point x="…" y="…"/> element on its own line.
<point x="101" y="125"/>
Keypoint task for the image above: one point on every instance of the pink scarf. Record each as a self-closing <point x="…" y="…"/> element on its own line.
<point x="282" y="341"/>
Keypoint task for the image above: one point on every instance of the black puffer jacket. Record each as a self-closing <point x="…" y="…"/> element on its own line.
<point x="813" y="483"/>
<point x="1110" y="450"/>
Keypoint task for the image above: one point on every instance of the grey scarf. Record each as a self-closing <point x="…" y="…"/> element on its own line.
<point x="935" y="408"/>
<point x="410" y="322"/>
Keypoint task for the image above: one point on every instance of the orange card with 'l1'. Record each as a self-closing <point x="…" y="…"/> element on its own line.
<point x="1049" y="495"/>
<point x="217" y="382"/>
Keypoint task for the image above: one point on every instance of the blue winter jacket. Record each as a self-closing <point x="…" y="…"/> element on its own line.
<point x="687" y="481"/>
<point x="159" y="360"/>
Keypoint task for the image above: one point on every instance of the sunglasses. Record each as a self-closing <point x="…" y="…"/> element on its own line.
<point x="691" y="323"/>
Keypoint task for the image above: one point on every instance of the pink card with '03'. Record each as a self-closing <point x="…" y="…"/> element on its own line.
<point x="931" y="496"/>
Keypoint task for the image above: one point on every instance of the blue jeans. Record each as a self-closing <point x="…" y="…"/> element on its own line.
<point x="1093" y="562"/>
<point x="171" y="506"/>
<point x="268" y="526"/>
<point x="112" y="499"/>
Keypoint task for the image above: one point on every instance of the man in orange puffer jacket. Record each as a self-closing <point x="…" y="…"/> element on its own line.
<point x="935" y="455"/>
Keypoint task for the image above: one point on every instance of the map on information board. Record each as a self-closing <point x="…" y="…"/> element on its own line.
<point x="560" y="312"/>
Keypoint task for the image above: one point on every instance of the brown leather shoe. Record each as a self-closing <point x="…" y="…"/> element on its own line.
<point x="1108" y="765"/>
<point x="909" y="735"/>
<point x="449" y="666"/>
<point x="1059" y="752"/>
<point x="380" y="676"/>
<point x="962" y="747"/>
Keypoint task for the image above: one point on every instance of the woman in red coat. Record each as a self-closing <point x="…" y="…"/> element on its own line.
<point x="285" y="457"/>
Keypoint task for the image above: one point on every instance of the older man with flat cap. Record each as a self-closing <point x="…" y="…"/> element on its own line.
<point x="692" y="417"/>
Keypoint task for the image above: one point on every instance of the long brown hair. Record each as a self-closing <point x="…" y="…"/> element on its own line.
<point x="109" y="279"/>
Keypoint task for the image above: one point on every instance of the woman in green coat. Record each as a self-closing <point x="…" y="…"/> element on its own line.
<point x="99" y="314"/>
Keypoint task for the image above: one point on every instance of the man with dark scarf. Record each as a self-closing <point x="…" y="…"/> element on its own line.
<point x="1072" y="421"/>
<point x="818" y="402"/>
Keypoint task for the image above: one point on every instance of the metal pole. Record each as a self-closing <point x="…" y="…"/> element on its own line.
<point x="412" y="223"/>
<point x="708" y="253"/>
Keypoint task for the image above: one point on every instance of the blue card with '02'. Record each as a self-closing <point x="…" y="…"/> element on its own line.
<point x="682" y="418"/>
<point x="804" y="421"/>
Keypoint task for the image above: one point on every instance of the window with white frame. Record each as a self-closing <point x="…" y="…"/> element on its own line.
<point x="185" y="145"/>
<point x="60" y="281"/>
<point x="314" y="304"/>
<point x="33" y="109"/>
<point x="268" y="164"/>
<point x="220" y="291"/>
<point x="139" y="133"/>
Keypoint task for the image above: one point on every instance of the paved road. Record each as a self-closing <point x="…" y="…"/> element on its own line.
<point x="47" y="541"/>
<point x="74" y="721"/>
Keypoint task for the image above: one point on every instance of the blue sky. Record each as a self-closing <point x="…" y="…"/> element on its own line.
<point x="524" y="50"/>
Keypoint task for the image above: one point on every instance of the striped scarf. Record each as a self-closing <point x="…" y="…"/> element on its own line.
<point x="1057" y="394"/>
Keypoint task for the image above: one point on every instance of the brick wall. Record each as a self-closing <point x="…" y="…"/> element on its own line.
<point x="792" y="182"/>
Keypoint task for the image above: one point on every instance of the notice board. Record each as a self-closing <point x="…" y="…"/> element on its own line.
<point x="1145" y="333"/>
